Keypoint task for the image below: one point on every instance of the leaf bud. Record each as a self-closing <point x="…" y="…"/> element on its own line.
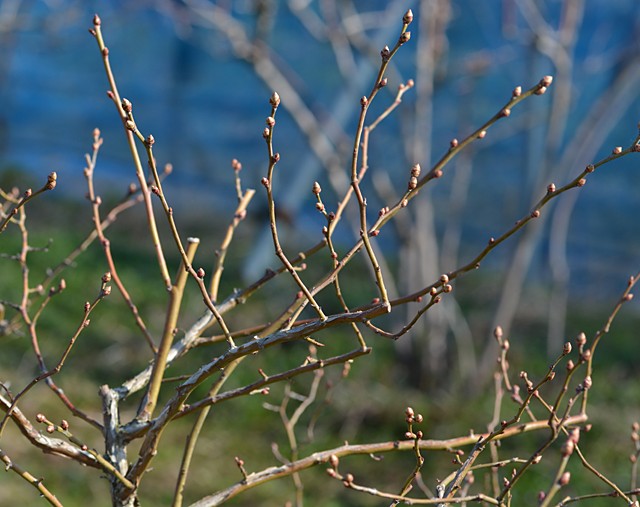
<point x="408" y="17"/>
<point x="564" y="479"/>
<point x="126" y="105"/>
<point x="546" y="81"/>
<point x="405" y="37"/>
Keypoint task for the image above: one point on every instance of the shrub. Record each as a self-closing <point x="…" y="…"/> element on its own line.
<point x="298" y="320"/>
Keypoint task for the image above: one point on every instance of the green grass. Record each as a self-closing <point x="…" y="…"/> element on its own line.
<point x="367" y="406"/>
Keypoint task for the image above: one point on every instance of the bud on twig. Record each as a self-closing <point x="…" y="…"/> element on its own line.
<point x="126" y="105"/>
<point x="51" y="180"/>
<point x="405" y="37"/>
<point x="564" y="479"/>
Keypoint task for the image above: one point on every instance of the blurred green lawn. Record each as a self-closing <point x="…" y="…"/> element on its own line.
<point x="367" y="406"/>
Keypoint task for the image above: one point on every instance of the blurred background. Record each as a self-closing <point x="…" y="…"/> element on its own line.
<point x="200" y="74"/>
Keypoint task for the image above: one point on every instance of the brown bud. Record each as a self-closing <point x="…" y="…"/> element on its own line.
<point x="551" y="188"/>
<point x="316" y="188"/>
<point x="617" y="150"/>
<point x="383" y="82"/>
<point x="275" y="99"/>
<point x="564" y="479"/>
<point x="581" y="339"/>
<point x="385" y="53"/>
<point x="413" y="183"/>
<point x="266" y="132"/>
<point x="130" y="125"/>
<point x="270" y="121"/>
<point x="590" y="168"/>
<point x="567" y="448"/>
<point x="126" y="105"/>
<point x="574" y="435"/>
<point x="64" y="424"/>
<point x="453" y="143"/>
<point x="546" y="81"/>
<point x="541" y="90"/>
<point x="415" y="170"/>
<point x="482" y="134"/>
<point x="497" y="332"/>
<point x="405" y="37"/>
<point x="334" y="461"/>
<point x="51" y="180"/>
<point x="40" y="418"/>
<point x="566" y="349"/>
<point x="505" y="113"/>
<point x="517" y="91"/>
<point x="200" y="273"/>
<point x="408" y="17"/>
<point x="96" y="20"/>
<point x="150" y="140"/>
<point x="364" y="101"/>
